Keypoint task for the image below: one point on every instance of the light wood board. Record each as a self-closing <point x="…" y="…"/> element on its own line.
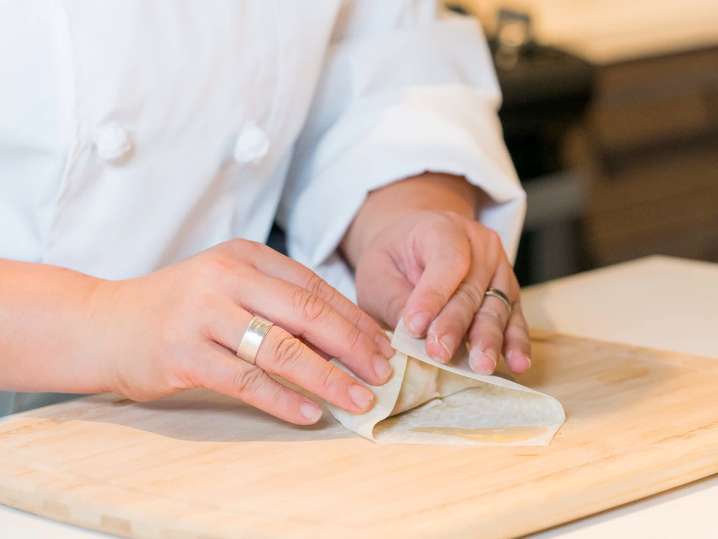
<point x="197" y="465"/>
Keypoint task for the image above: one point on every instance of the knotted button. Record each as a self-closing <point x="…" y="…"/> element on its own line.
<point x="112" y="141"/>
<point x="252" y="144"/>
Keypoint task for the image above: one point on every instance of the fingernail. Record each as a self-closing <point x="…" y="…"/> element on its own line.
<point x="483" y="362"/>
<point x="384" y="344"/>
<point x="448" y="344"/>
<point x="382" y="369"/>
<point x="437" y="349"/>
<point x="519" y="362"/>
<point x="417" y="323"/>
<point x="361" y="396"/>
<point x="311" y="412"/>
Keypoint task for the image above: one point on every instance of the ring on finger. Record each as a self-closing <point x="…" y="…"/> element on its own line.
<point x="252" y="339"/>
<point x="501" y="296"/>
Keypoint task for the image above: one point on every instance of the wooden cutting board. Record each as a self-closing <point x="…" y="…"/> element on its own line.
<point x="198" y="465"/>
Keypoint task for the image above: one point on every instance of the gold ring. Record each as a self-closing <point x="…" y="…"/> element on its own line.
<point x="501" y="296"/>
<point x="252" y="339"/>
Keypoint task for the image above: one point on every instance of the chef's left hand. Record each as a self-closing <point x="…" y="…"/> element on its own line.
<point x="433" y="267"/>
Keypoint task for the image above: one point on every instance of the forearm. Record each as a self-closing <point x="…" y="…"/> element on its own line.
<point x="430" y="191"/>
<point x="45" y="318"/>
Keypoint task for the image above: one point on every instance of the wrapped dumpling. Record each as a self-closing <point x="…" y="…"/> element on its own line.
<point x="432" y="403"/>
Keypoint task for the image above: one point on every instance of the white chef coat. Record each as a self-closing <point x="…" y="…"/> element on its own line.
<point x="134" y="133"/>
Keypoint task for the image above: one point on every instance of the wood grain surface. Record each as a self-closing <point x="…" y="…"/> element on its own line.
<point x="198" y="465"/>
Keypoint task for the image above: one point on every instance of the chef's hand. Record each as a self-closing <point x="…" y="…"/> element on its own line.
<point x="178" y="328"/>
<point x="419" y="255"/>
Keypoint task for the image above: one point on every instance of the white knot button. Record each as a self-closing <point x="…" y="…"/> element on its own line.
<point x="112" y="141"/>
<point x="252" y="144"/>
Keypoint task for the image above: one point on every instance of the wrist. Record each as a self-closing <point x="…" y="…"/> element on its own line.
<point x="46" y="340"/>
<point x="108" y="330"/>
<point x="89" y="353"/>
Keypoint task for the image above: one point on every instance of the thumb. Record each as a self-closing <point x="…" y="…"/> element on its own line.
<point x="383" y="291"/>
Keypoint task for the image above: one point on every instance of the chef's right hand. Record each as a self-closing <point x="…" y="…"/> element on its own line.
<point x="179" y="327"/>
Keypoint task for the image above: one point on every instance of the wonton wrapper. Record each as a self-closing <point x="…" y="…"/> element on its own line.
<point x="427" y="402"/>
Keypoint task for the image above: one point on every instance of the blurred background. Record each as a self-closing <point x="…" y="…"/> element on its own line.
<point x="611" y="116"/>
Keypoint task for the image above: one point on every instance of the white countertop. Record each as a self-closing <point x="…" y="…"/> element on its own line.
<point x="658" y="302"/>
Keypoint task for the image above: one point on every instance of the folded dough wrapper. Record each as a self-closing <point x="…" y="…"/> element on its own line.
<point x="427" y="402"/>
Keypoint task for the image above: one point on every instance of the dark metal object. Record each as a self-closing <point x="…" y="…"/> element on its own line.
<point x="545" y="91"/>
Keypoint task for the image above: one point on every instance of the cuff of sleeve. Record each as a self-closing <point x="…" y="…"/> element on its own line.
<point x="449" y="129"/>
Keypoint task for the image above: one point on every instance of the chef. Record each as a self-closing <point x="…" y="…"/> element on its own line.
<point x="146" y="148"/>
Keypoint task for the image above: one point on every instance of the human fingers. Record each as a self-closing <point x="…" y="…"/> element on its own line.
<point x="285" y="355"/>
<point x="517" y="344"/>
<point x="486" y="335"/>
<point x="275" y="264"/>
<point x="221" y="371"/>
<point x="446" y="258"/>
<point x="448" y="331"/>
<point x="305" y="314"/>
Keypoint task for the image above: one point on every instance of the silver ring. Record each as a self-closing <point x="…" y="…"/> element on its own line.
<point x="501" y="296"/>
<point x="252" y="339"/>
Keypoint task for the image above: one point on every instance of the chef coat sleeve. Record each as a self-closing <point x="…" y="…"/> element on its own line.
<point x="406" y="88"/>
